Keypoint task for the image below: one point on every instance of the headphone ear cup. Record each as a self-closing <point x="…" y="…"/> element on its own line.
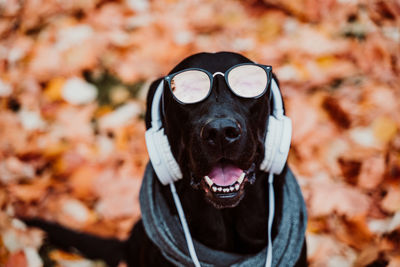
<point x="277" y="144"/>
<point x="164" y="163"/>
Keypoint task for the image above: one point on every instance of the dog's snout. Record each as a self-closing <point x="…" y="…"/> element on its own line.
<point x="221" y="131"/>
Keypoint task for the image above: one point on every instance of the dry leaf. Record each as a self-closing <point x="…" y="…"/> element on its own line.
<point x="118" y="194"/>
<point x="391" y="202"/>
<point x="122" y="116"/>
<point x="384" y="129"/>
<point x="30" y="192"/>
<point x="372" y="172"/>
<point x="323" y="250"/>
<point x="73" y="213"/>
<point x="329" y="197"/>
<point x="17" y="259"/>
<point x="77" y="91"/>
<point x="54" y="88"/>
<point x="81" y="181"/>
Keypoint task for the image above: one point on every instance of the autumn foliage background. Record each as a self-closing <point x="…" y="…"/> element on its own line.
<point x="73" y="80"/>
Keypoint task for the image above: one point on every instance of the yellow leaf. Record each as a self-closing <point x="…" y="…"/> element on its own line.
<point x="268" y="28"/>
<point x="302" y="71"/>
<point x="30" y="192"/>
<point x="57" y="255"/>
<point x="121" y="139"/>
<point x="326" y="61"/>
<point x="53" y="89"/>
<point x="102" y="110"/>
<point x="384" y="129"/>
<point x="119" y="94"/>
<point x="54" y="150"/>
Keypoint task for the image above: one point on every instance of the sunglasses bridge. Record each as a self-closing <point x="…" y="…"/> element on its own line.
<point x="218" y="72"/>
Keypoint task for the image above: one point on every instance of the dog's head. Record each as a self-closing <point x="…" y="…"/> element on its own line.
<point x="218" y="142"/>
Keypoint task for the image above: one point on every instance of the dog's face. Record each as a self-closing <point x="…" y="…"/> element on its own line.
<point x="218" y="143"/>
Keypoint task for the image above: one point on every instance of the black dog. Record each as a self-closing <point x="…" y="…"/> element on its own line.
<point x="223" y="129"/>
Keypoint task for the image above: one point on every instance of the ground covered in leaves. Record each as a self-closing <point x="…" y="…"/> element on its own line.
<point x="73" y="79"/>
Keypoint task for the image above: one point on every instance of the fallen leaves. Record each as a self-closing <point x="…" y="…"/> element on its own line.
<point x="77" y="91"/>
<point x="372" y="172"/>
<point x="21" y="244"/>
<point x="73" y="80"/>
<point x="391" y="201"/>
<point x="384" y="128"/>
<point x="330" y="197"/>
<point x="118" y="192"/>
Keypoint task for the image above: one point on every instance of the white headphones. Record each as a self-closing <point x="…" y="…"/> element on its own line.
<point x="277" y="140"/>
<point x="278" y="137"/>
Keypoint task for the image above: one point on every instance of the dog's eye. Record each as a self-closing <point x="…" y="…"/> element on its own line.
<point x="190" y="86"/>
<point x="248" y="80"/>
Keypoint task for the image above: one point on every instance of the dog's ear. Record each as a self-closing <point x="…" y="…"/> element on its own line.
<point x="149" y="102"/>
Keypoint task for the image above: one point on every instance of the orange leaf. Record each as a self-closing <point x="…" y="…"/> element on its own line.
<point x="384" y="128"/>
<point x="391" y="202"/>
<point x="30" y="192"/>
<point x="328" y="197"/>
<point x="53" y="89"/>
<point x="17" y="259"/>
<point x="81" y="181"/>
<point x="372" y="172"/>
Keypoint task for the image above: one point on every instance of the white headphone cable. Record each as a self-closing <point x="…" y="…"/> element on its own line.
<point x="188" y="237"/>
<point x="271" y="212"/>
<point x="185" y="227"/>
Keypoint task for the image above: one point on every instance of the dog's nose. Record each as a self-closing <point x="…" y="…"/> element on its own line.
<point x="221" y="131"/>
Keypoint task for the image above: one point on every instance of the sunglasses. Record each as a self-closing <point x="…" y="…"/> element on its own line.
<point x="193" y="85"/>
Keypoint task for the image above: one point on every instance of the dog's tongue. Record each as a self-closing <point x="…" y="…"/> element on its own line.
<point x="225" y="174"/>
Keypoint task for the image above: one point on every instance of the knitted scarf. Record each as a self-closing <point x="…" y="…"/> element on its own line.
<point x="165" y="230"/>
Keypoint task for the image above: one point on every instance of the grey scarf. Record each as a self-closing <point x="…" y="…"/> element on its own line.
<point x="165" y="230"/>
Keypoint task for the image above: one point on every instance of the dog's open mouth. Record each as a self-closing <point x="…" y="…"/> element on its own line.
<point x="224" y="185"/>
<point x="225" y="178"/>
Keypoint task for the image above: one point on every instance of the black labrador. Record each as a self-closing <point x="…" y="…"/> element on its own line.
<point x="202" y="136"/>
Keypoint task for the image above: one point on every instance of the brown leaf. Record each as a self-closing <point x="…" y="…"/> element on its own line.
<point x="367" y="255"/>
<point x="352" y="231"/>
<point x="372" y="172"/>
<point x="30" y="192"/>
<point x="118" y="194"/>
<point x="81" y="181"/>
<point x="394" y="262"/>
<point x="328" y="197"/>
<point x="391" y="202"/>
<point x="350" y="169"/>
<point x="325" y="250"/>
<point x="336" y="112"/>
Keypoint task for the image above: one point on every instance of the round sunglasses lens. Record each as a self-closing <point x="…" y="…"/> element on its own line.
<point x="248" y="80"/>
<point x="190" y="86"/>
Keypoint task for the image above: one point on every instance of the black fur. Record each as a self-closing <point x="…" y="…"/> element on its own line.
<point x="238" y="225"/>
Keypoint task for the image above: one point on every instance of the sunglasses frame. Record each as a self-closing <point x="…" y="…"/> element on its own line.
<point x="266" y="68"/>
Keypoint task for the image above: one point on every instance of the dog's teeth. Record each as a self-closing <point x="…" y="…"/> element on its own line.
<point x="232" y="188"/>
<point x="208" y="181"/>
<point x="219" y="189"/>
<point x="241" y="178"/>
<point x="214" y="188"/>
<point x="237" y="186"/>
<point x="226" y="190"/>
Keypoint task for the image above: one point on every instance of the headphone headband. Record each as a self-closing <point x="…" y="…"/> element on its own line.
<point x="277" y="98"/>
<point x="155" y="107"/>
